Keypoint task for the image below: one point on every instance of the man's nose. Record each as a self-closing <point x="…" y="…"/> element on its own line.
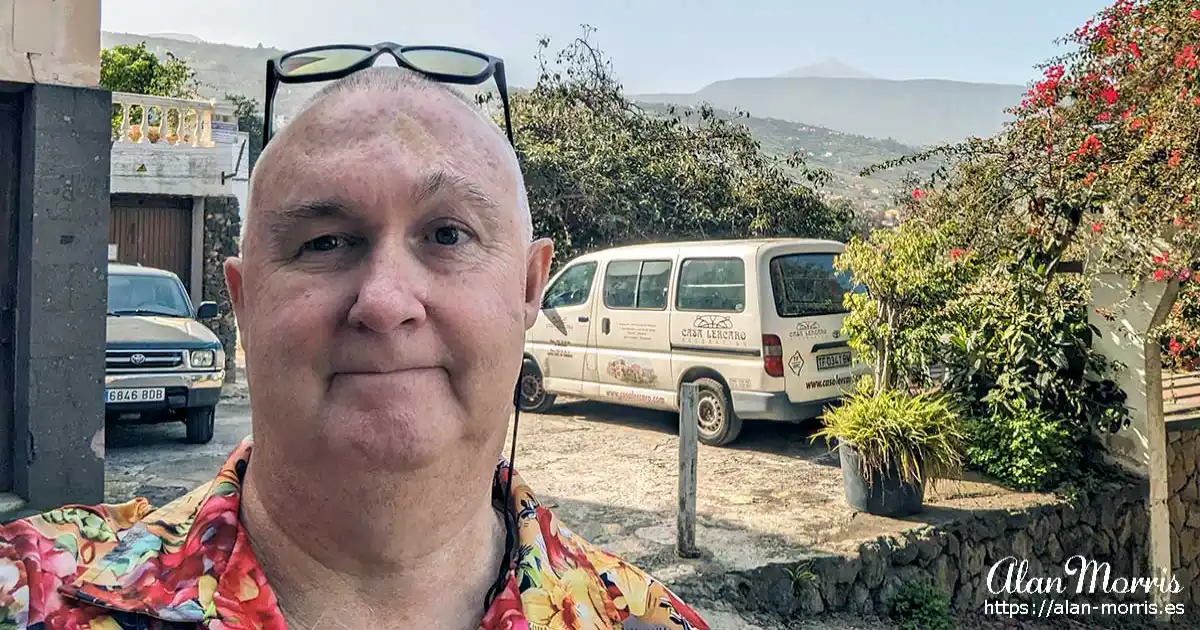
<point x="392" y="291"/>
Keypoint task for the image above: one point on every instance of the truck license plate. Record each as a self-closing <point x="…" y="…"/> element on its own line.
<point x="135" y="394"/>
<point x="833" y="361"/>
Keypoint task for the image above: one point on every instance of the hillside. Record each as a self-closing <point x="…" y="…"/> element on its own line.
<point x="843" y="155"/>
<point x="919" y="112"/>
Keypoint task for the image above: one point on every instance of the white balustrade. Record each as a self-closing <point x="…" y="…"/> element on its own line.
<point x="141" y="119"/>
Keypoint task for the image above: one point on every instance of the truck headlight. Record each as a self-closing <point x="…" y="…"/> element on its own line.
<point x="202" y="358"/>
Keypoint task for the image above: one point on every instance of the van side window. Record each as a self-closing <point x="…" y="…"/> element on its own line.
<point x="712" y="284"/>
<point x="653" y="283"/>
<point x="637" y="284"/>
<point x="572" y="288"/>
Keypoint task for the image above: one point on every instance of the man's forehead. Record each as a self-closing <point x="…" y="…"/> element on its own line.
<point x="356" y="139"/>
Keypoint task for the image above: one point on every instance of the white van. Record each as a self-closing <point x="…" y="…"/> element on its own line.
<point x="755" y="323"/>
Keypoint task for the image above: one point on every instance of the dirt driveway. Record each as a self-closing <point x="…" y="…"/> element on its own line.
<point x="772" y="496"/>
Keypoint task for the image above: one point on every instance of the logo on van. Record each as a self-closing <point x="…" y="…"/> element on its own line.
<point x="807" y="329"/>
<point x="713" y="322"/>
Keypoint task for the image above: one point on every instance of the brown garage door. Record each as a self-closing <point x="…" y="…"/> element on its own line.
<point x="10" y="150"/>
<point x="153" y="230"/>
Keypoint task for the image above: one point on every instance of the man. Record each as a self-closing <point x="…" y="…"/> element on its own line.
<point x="387" y="276"/>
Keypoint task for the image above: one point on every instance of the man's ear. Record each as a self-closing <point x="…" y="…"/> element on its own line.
<point x="541" y="252"/>
<point x="233" y="282"/>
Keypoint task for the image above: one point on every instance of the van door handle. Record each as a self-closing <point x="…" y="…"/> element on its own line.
<point x="604" y="325"/>
<point x="583" y="318"/>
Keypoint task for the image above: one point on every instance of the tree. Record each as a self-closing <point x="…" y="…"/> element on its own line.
<point x="136" y="70"/>
<point x="602" y="171"/>
<point x="250" y="120"/>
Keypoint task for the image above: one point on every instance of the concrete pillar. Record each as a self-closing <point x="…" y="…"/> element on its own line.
<point x="62" y="228"/>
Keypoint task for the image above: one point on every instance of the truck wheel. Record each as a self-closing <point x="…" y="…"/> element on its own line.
<point x="201" y="423"/>
<point x="534" y="398"/>
<point x="718" y="424"/>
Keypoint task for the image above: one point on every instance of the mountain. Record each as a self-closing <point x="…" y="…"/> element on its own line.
<point x="829" y="69"/>
<point x="843" y="155"/>
<point x="917" y="112"/>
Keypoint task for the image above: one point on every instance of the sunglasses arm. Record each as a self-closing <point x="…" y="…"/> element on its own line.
<point x="269" y="104"/>
<point x="502" y="87"/>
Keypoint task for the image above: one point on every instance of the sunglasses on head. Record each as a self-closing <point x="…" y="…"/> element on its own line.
<point x="444" y="64"/>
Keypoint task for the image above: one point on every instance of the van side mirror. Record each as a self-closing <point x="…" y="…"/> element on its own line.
<point x="207" y="310"/>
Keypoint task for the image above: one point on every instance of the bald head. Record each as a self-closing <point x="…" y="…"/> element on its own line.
<point x="391" y="103"/>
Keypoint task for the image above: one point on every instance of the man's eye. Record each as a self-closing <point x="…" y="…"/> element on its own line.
<point x="448" y="235"/>
<point x="324" y="243"/>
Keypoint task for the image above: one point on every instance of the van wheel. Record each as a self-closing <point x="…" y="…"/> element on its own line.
<point x="718" y="424"/>
<point x="534" y="398"/>
<point x="201" y="424"/>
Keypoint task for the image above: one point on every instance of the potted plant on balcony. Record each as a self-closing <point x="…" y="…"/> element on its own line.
<point x="892" y="444"/>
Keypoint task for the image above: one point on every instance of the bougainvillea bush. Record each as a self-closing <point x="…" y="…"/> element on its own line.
<point x="1101" y="163"/>
<point x="1181" y="339"/>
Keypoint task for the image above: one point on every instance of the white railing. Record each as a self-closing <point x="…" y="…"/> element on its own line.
<point x="142" y="119"/>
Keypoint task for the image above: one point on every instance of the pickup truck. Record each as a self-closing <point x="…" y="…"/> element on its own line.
<point x="161" y="363"/>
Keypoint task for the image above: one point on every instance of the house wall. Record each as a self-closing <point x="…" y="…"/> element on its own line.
<point x="51" y="42"/>
<point x="153" y="169"/>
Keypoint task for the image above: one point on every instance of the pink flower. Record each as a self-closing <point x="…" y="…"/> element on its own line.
<point x="918" y="194"/>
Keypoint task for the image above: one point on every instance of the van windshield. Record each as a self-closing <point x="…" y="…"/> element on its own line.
<point x="806" y="285"/>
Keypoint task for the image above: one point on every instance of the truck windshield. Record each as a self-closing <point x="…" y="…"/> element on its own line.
<point x="146" y="295"/>
<point x="806" y="285"/>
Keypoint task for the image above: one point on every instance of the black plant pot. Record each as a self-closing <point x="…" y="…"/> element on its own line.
<point x="886" y="494"/>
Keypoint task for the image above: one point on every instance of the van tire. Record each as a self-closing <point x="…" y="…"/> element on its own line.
<point x="201" y="424"/>
<point x="718" y="424"/>
<point x="534" y="398"/>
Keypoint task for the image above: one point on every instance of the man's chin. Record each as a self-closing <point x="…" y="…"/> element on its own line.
<point x="391" y="439"/>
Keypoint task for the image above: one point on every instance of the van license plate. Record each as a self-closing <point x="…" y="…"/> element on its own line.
<point x="135" y="394"/>
<point x="833" y="361"/>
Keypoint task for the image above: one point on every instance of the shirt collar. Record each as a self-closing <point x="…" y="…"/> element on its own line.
<point x="173" y="564"/>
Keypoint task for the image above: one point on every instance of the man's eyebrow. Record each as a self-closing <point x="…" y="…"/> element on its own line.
<point x="287" y="219"/>
<point x="440" y="181"/>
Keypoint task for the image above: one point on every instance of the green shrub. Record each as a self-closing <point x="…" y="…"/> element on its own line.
<point x="1026" y="448"/>
<point x="920" y="605"/>
<point x="1036" y="392"/>
<point x="920" y="433"/>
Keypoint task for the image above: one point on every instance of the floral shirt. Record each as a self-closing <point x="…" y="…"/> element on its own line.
<point x="189" y="565"/>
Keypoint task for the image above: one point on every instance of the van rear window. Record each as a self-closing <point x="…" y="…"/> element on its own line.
<point x="806" y="285"/>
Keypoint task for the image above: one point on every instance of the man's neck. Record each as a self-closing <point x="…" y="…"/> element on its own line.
<point x="422" y="550"/>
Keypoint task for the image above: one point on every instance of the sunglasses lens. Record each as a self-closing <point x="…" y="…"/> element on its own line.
<point x="318" y="61"/>
<point x="447" y="62"/>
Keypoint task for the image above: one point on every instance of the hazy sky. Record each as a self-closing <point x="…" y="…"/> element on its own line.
<point x="658" y="45"/>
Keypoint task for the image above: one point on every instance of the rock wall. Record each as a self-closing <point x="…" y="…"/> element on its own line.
<point x="222" y="230"/>
<point x="1109" y="526"/>
<point x="1183" y="454"/>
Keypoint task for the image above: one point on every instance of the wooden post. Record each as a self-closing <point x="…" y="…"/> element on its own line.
<point x="685" y="513"/>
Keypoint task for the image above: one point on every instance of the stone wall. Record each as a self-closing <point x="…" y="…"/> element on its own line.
<point x="1110" y="526"/>
<point x="222" y="229"/>
<point x="1183" y="453"/>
